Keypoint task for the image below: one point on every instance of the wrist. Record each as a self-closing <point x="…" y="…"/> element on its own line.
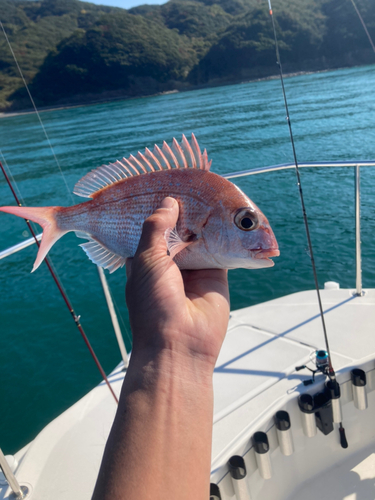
<point x="160" y="363"/>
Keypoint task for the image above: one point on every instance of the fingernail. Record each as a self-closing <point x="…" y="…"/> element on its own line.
<point x="168" y="203"/>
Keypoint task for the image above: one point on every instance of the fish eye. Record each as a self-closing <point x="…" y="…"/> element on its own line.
<point x="246" y="219"/>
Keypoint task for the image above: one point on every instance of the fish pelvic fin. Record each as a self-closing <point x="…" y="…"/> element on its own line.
<point x="45" y="217"/>
<point x="184" y="155"/>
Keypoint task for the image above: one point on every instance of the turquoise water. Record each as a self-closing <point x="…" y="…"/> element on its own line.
<point x="44" y="364"/>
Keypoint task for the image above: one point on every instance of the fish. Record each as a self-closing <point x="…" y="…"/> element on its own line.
<point x="218" y="226"/>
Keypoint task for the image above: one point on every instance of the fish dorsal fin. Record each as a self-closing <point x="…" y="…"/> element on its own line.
<point x="184" y="155"/>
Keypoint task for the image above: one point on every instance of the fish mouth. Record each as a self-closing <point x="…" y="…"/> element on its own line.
<point x="260" y="253"/>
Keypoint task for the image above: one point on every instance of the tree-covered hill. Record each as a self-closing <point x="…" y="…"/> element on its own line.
<point x="246" y="48"/>
<point x="72" y="51"/>
<point x="119" y="52"/>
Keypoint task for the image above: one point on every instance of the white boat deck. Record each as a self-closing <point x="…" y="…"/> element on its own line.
<point x="255" y="373"/>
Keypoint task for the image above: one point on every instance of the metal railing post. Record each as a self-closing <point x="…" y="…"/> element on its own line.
<point x="19" y="492"/>
<point x="19" y="246"/>
<point x="113" y="315"/>
<point x="358" y="230"/>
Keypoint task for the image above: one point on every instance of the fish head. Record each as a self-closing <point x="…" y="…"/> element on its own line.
<point x="238" y="235"/>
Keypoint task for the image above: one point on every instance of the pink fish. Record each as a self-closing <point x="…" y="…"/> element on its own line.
<point x="218" y="225"/>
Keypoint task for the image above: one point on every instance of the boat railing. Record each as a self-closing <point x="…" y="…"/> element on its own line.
<point x="356" y="165"/>
<point x="353" y="164"/>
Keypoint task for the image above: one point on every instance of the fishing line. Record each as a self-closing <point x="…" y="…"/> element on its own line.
<point x="36" y="111"/>
<point x="5" y="164"/>
<point x="311" y="253"/>
<point x="63" y="294"/>
<point x="49" y="264"/>
<point x="364" y="25"/>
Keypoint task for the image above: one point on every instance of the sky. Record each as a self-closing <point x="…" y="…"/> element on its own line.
<point x="126" y="4"/>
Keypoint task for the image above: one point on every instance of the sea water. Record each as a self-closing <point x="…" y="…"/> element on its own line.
<point x="44" y="364"/>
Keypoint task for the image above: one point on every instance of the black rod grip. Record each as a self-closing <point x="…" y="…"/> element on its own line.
<point x="343" y="441"/>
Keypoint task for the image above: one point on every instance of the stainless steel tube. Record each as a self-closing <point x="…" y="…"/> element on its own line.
<point x="358" y="231"/>
<point x="359" y="388"/>
<point x="214" y="492"/>
<point x="284" y="433"/>
<point x="19" y="246"/>
<point x="113" y="315"/>
<point x="306" y="405"/>
<point x="336" y="411"/>
<point x="335" y="394"/>
<point x="262" y="454"/>
<point x="237" y="469"/>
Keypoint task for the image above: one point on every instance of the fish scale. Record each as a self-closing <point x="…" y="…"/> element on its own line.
<point x="218" y="225"/>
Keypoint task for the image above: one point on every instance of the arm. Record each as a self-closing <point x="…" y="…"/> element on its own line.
<point x="159" y="447"/>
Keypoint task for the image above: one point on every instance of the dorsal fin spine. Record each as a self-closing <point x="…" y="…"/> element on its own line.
<point x="206" y="163"/>
<point x="143" y="158"/>
<point x="161" y="154"/>
<point x="117" y="172"/>
<point x="187" y="149"/>
<point x="153" y="158"/>
<point x="123" y="171"/>
<point x="167" y="150"/>
<point x="109" y="172"/>
<point x="125" y="167"/>
<point x="132" y="166"/>
<point x="147" y="153"/>
<point x="177" y="149"/>
<point x="102" y="178"/>
<point x="138" y="163"/>
<point x="184" y="155"/>
<point x="156" y="159"/>
<point x="197" y="151"/>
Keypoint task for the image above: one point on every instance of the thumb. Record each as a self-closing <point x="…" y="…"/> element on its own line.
<point x="155" y="227"/>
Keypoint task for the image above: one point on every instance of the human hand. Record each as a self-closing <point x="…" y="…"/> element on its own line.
<point x="184" y="312"/>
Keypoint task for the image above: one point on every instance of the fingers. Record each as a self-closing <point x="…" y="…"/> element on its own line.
<point x="128" y="266"/>
<point x="154" y="228"/>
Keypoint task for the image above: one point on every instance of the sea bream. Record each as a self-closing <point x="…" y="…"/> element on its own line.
<point x="218" y="225"/>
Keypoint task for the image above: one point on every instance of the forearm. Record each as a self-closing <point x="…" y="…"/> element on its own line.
<point x="160" y="444"/>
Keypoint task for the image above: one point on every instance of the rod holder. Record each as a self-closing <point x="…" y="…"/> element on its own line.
<point x="306" y="405"/>
<point x="284" y="433"/>
<point x="335" y="393"/>
<point x="214" y="492"/>
<point x="237" y="469"/>
<point x="359" y="388"/>
<point x="262" y="454"/>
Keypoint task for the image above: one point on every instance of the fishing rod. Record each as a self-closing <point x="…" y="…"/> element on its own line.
<point x="323" y="359"/>
<point x="61" y="290"/>
<point x="53" y="274"/>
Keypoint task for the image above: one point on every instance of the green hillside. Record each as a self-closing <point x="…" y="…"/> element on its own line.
<point x="75" y="52"/>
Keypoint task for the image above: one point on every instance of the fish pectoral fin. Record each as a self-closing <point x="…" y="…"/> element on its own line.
<point x="101" y="256"/>
<point x="174" y="242"/>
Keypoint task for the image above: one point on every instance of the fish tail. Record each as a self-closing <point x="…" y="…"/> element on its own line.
<point x="44" y="216"/>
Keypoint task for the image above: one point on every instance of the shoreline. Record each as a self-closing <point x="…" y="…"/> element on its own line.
<point x="5" y="114"/>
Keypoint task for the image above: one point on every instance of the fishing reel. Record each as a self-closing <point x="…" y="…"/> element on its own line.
<point x="323" y="409"/>
<point x="320" y="359"/>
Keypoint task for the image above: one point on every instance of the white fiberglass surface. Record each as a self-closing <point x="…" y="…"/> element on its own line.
<point x="349" y="320"/>
<point x="250" y="361"/>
